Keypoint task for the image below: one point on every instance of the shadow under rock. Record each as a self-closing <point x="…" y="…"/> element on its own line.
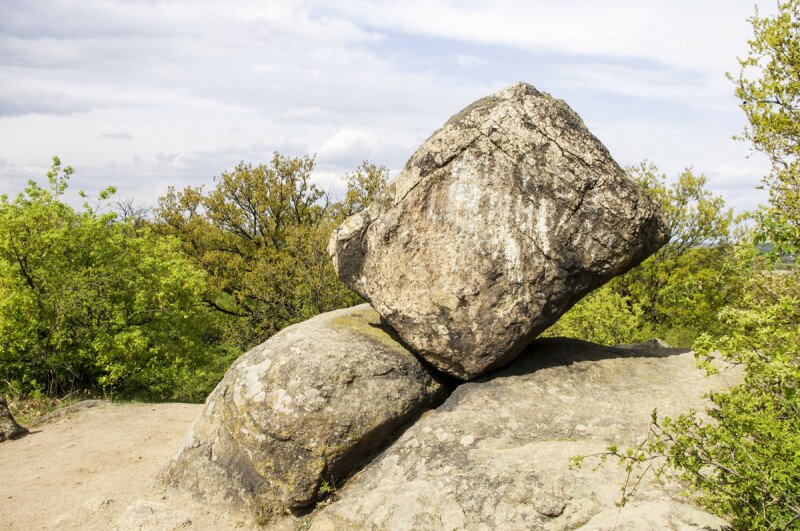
<point x="547" y="352"/>
<point x="449" y="382"/>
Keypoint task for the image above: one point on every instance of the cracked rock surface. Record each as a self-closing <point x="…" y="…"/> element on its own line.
<point x="306" y="406"/>
<point x="501" y="221"/>
<point x="496" y="454"/>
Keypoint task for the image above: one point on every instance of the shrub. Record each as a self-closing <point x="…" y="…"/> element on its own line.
<point x="86" y="303"/>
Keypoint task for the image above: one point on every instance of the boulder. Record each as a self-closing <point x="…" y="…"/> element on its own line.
<point x="303" y="408"/>
<point x="496" y="454"/>
<point x="9" y="429"/>
<point x="501" y="221"/>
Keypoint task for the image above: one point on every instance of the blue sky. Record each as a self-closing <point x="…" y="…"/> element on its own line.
<point x="147" y="94"/>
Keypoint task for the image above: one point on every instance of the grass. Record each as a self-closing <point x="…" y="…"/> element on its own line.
<point x="28" y="408"/>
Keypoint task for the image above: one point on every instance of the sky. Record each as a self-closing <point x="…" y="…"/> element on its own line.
<point x="146" y="94"/>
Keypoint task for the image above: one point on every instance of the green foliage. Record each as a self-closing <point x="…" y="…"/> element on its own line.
<point x="684" y="283"/>
<point x="326" y="488"/>
<point x="363" y="185"/>
<point x="742" y="456"/>
<point x="261" y="234"/>
<point x="83" y="304"/>
<point x="604" y="316"/>
<point x="94" y="301"/>
<point x="769" y="94"/>
<point x="676" y="293"/>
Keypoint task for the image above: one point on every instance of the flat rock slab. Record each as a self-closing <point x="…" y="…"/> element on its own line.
<point x="303" y="408"/>
<point x="499" y="223"/>
<point x="496" y="454"/>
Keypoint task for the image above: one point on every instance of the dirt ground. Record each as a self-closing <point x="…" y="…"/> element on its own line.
<point x="83" y="471"/>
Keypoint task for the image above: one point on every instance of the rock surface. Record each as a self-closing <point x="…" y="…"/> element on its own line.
<point x="306" y="406"/>
<point x="501" y="221"/>
<point x="9" y="429"/>
<point x="496" y="454"/>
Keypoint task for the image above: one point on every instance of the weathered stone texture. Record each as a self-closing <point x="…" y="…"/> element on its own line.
<point x="499" y="223"/>
<point x="306" y="406"/>
<point x="9" y="429"/>
<point x="496" y="454"/>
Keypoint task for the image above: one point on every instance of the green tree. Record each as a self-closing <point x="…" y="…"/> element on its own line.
<point x="742" y="456"/>
<point x="261" y="234"/>
<point x="86" y="304"/>
<point x="363" y="185"/>
<point x="676" y="293"/>
<point x="684" y="284"/>
<point x="768" y="87"/>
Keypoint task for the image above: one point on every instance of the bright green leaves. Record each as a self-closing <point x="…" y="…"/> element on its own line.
<point x="86" y="303"/>
<point x="604" y="316"/>
<point x="768" y="87"/>
<point x="742" y="457"/>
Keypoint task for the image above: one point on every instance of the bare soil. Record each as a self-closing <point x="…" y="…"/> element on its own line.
<point x="83" y="470"/>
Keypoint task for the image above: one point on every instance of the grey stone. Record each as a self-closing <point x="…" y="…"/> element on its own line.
<point x="501" y="221"/>
<point x="496" y="454"/>
<point x="306" y="406"/>
<point x="9" y="428"/>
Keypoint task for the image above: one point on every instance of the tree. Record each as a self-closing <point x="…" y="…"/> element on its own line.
<point x="768" y="87"/>
<point x="363" y="185"/>
<point x="261" y="234"/>
<point x="676" y="293"/>
<point x="683" y="284"/>
<point x="742" y="455"/>
<point x="86" y="303"/>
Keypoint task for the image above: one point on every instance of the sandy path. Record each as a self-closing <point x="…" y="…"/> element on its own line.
<point x="82" y="471"/>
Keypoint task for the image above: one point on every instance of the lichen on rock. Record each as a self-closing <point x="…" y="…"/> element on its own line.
<point x="501" y="221"/>
<point x="306" y="406"/>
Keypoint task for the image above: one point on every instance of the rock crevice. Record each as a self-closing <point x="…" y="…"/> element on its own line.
<point x="305" y="407"/>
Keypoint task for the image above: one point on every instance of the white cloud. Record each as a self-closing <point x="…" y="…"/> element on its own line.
<point x="349" y="142"/>
<point x="313" y="112"/>
<point x="194" y="87"/>
<point x="468" y="61"/>
<point x="684" y="33"/>
<point x="117" y="135"/>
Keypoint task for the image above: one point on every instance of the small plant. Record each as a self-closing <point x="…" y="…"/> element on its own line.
<point x="267" y="512"/>
<point x="647" y="457"/>
<point x="326" y="488"/>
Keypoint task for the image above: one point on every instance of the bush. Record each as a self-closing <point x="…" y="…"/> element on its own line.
<point x="262" y="234"/>
<point x="87" y="303"/>
<point x="604" y="316"/>
<point x="742" y="456"/>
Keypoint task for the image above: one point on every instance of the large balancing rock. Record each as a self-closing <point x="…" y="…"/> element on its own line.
<point x="499" y="223"/>
<point x="306" y="406"/>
